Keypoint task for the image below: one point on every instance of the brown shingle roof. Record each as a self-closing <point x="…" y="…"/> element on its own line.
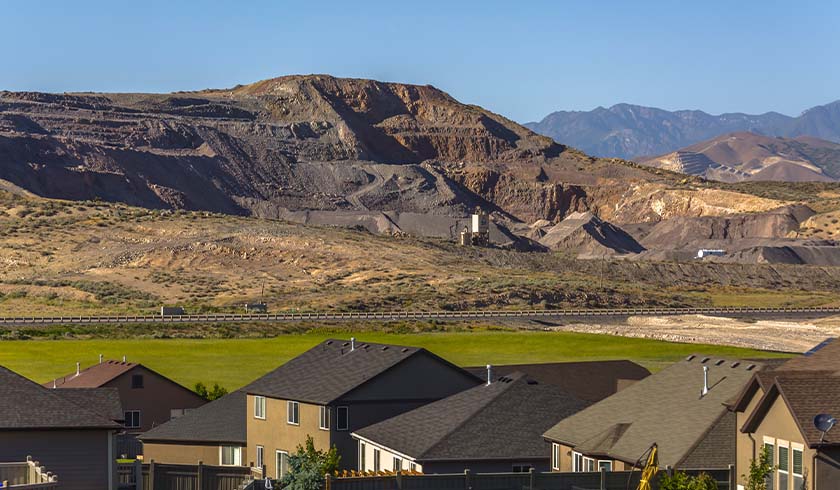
<point x="824" y="358"/>
<point x="93" y="376"/>
<point x="105" y="401"/>
<point x="26" y="405"/>
<point x="591" y="381"/>
<point x="665" y="408"/>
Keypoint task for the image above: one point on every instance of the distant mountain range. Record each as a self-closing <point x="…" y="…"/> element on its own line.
<point x="632" y="131"/>
<point x="736" y="157"/>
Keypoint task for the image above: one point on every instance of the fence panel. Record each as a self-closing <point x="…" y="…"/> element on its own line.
<point x="568" y="481"/>
<point x="433" y="482"/>
<point x="501" y="481"/>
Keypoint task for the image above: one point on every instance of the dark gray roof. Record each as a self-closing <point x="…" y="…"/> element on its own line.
<point x="104" y="401"/>
<point x="222" y="420"/>
<point x="331" y="369"/>
<point x="504" y="419"/>
<point x="27" y="405"/>
<point x="665" y="408"/>
<point x="591" y="380"/>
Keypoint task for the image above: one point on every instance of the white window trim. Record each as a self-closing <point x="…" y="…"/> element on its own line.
<point x="586" y="461"/>
<point x="289" y="412"/>
<point x="277" y="453"/>
<point x="260" y="457"/>
<point x="795" y="446"/>
<point x="377" y="459"/>
<point x="324" y="414"/>
<point x="237" y="456"/>
<point x="555" y="456"/>
<point x="394" y="460"/>
<point x="259" y="401"/>
<point x="779" y="445"/>
<point x="346" y="418"/>
<point x="139" y="419"/>
<point x="598" y="464"/>
<point x="362" y="455"/>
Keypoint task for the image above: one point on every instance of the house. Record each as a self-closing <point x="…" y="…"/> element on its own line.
<point x="494" y="427"/>
<point x="338" y="387"/>
<point x="148" y="398"/>
<point x="681" y="408"/>
<point x="215" y="434"/>
<point x="590" y="380"/>
<point x="64" y="432"/>
<point x="776" y="413"/>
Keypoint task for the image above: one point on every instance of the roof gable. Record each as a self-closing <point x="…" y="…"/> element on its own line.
<point x="25" y="404"/>
<point x="333" y="368"/>
<point x="665" y="408"/>
<point x="222" y="420"/>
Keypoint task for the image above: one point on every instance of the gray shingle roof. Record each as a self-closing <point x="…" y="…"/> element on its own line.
<point x="105" y="401"/>
<point x="665" y="408"/>
<point x="25" y="404"/>
<point x="505" y="419"/>
<point x="591" y="381"/>
<point x="331" y="369"/>
<point x="220" y="421"/>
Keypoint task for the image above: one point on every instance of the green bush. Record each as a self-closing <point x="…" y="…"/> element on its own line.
<point x="682" y="481"/>
<point x="308" y="466"/>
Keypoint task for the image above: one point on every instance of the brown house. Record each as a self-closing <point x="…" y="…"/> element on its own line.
<point x="66" y="434"/>
<point x="214" y="434"/>
<point x="776" y="414"/>
<point x="336" y="388"/>
<point x="148" y="398"/>
<point x="681" y="408"/>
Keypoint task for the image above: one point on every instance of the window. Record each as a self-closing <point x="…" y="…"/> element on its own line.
<point x="797" y="466"/>
<point x="555" y="456"/>
<point x="604" y="465"/>
<point x="397" y="463"/>
<point x="770" y="448"/>
<point x="282" y="464"/>
<point x="260" y="457"/>
<point x="324" y="423"/>
<point x="577" y="462"/>
<point x="293" y="413"/>
<point x="376" y="459"/>
<point x="230" y="456"/>
<point x="342" y="418"/>
<point x="783" y="465"/>
<point x="136" y="381"/>
<point x="362" y="449"/>
<point x="588" y="464"/>
<point x="259" y="407"/>
<point x="522" y="468"/>
<point x="412" y="467"/>
<point x="132" y="419"/>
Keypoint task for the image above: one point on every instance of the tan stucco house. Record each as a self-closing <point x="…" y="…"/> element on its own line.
<point x="776" y="414"/>
<point x="337" y="387"/>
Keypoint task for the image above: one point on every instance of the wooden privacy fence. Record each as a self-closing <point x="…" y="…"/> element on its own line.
<point x="157" y="476"/>
<point x="603" y="480"/>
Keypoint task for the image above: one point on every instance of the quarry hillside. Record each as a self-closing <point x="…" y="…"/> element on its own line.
<point x="389" y="158"/>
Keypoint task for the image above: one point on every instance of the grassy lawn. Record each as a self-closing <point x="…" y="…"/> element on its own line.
<point x="235" y="362"/>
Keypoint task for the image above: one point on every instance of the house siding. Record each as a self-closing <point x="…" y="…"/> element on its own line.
<point x="80" y="458"/>
<point x="566" y="464"/>
<point x="155" y="400"/>
<point x="178" y="453"/>
<point x="745" y="443"/>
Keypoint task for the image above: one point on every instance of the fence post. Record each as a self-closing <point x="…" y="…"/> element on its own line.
<point x="669" y="470"/>
<point x="138" y="475"/>
<point x="467" y="482"/>
<point x="399" y="479"/>
<point x="199" y="485"/>
<point x="732" y="477"/>
<point x="152" y="475"/>
<point x="327" y="481"/>
<point x="531" y="479"/>
<point x="603" y="478"/>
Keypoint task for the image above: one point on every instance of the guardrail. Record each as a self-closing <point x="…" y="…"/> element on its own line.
<point x="409" y="315"/>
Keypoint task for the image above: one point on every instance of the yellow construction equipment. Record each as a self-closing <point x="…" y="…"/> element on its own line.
<point x="650" y="469"/>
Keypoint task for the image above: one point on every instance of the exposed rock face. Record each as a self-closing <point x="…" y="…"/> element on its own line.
<point x="586" y="234"/>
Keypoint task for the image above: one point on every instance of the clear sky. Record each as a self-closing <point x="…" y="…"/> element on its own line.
<point x="523" y="58"/>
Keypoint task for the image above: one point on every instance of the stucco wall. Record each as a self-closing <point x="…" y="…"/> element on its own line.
<point x="745" y="443"/>
<point x="186" y="453"/>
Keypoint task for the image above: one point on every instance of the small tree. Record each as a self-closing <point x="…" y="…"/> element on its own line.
<point x="681" y="481"/>
<point x="759" y="471"/>
<point x="307" y="467"/>
<point x="212" y="394"/>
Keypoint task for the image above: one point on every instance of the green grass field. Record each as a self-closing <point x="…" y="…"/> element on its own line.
<point x="235" y="362"/>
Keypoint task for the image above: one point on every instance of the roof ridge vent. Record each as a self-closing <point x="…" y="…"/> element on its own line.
<point x="750" y="367"/>
<point x="704" y="360"/>
<point x="384" y="347"/>
<point x="690" y="358"/>
<point x="735" y="364"/>
<point x="720" y="362"/>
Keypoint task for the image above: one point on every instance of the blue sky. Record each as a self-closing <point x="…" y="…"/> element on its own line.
<point x="522" y="59"/>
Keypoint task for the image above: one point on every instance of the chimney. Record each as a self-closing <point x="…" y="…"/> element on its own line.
<point x="705" y="381"/>
<point x="352" y="344"/>
<point x="100" y="358"/>
<point x="489" y="374"/>
<point x="78" y="368"/>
